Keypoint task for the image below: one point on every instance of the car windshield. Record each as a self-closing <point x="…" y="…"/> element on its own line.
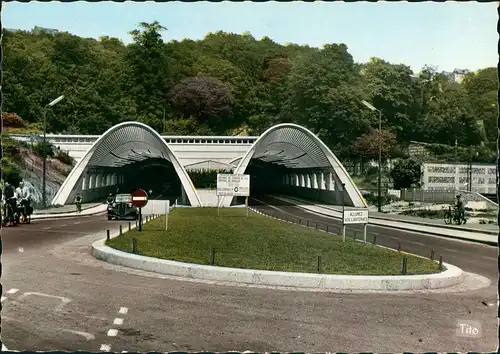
<point x="122" y="198"/>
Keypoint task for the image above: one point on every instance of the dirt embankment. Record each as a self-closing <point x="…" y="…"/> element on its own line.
<point x="32" y="173"/>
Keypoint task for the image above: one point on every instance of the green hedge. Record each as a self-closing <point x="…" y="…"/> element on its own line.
<point x="206" y="178"/>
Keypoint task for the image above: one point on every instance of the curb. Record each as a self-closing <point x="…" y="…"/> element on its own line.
<point x="407" y="227"/>
<point x="450" y="277"/>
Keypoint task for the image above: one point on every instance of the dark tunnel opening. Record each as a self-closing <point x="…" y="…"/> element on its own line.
<point x="157" y="177"/>
<point x="265" y="178"/>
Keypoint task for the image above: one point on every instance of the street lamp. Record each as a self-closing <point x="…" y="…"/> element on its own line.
<point x="44" y="156"/>
<point x="379" y="201"/>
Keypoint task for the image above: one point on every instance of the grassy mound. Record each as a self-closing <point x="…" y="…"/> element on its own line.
<point x="259" y="242"/>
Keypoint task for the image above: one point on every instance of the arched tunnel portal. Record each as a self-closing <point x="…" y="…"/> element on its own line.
<point x="129" y="155"/>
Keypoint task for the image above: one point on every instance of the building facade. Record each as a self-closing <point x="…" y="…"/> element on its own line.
<point x="453" y="176"/>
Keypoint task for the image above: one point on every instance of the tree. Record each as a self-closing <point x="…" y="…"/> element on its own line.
<point x="367" y="145"/>
<point x="205" y="98"/>
<point x="391" y="89"/>
<point x="406" y="173"/>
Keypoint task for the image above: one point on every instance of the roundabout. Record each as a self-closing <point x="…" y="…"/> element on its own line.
<point x="189" y="264"/>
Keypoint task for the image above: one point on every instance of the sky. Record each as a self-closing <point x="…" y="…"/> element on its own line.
<point x="446" y="35"/>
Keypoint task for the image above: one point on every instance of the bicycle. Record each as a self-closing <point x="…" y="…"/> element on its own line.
<point x="9" y="214"/>
<point x="452" y="215"/>
<point x="78" y="207"/>
<point x="24" y="212"/>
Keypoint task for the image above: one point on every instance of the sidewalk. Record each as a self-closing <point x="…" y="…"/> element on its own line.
<point x="70" y="211"/>
<point x="469" y="234"/>
<point x="64" y="209"/>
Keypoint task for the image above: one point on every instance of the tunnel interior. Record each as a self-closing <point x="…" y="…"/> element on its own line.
<point x="265" y="178"/>
<point x="157" y="177"/>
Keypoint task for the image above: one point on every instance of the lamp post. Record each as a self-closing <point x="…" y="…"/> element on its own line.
<point x="379" y="199"/>
<point x="44" y="155"/>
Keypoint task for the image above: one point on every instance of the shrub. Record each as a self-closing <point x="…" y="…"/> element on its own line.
<point x="205" y="178"/>
<point x="38" y="149"/>
<point x="10" y="171"/>
<point x="64" y="157"/>
<point x="12" y="120"/>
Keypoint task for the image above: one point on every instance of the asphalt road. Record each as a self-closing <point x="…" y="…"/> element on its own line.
<point x="58" y="297"/>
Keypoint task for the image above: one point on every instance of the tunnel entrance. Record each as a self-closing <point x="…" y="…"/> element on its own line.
<point x="265" y="178"/>
<point x="157" y="177"/>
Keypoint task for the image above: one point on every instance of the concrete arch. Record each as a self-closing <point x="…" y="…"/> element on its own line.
<point x="98" y="152"/>
<point x="295" y="138"/>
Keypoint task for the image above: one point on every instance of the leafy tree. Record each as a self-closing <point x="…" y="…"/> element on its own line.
<point x="406" y="173"/>
<point x="367" y="145"/>
<point x="205" y="98"/>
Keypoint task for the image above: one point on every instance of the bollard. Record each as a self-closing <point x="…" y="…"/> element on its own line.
<point x="212" y="256"/>
<point x="404" y="263"/>
<point x="327" y="229"/>
<point x="120" y="229"/>
<point x="132" y="242"/>
<point x="318" y="266"/>
<point x="300" y="221"/>
<point x="107" y="235"/>
<point x="307" y="223"/>
<point x="440" y="262"/>
<point x="129" y="226"/>
<point x="399" y="246"/>
<point x="432" y="255"/>
<point x="316" y="226"/>
<point x="355" y="235"/>
<point x="374" y="239"/>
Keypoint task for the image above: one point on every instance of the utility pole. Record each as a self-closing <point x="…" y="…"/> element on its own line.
<point x="379" y="205"/>
<point x="44" y="154"/>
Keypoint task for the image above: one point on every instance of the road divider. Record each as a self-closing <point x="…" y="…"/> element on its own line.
<point x="451" y="275"/>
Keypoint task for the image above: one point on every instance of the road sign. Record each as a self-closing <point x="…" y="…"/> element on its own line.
<point x="233" y="185"/>
<point x="356" y="216"/>
<point x="139" y="198"/>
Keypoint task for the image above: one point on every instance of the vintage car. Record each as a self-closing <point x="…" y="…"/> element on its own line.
<point x="122" y="208"/>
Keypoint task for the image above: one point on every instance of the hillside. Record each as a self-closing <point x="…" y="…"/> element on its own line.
<point x="22" y="162"/>
<point x="228" y="83"/>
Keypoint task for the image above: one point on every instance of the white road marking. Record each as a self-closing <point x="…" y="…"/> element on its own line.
<point x="3" y="298"/>
<point x="450" y="250"/>
<point x="112" y="332"/>
<point x="64" y="300"/>
<point x="88" y="336"/>
<point x="123" y="310"/>
<point x="105" y="348"/>
<point x="118" y="321"/>
<point x="12" y="291"/>
<point x="494" y="258"/>
<point x="46" y="228"/>
<point x="76" y="223"/>
<point x="21" y="249"/>
<point x="63" y="225"/>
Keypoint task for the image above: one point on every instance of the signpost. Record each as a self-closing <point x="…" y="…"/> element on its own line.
<point x="233" y="186"/>
<point x="357" y="216"/>
<point x="139" y="200"/>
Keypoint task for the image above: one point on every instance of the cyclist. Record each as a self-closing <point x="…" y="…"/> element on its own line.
<point x="459" y="207"/>
<point x="8" y="197"/>
<point x="23" y="197"/>
<point x="110" y="198"/>
<point x="78" y="202"/>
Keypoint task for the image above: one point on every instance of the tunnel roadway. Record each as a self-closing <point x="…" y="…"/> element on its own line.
<point x="56" y="296"/>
